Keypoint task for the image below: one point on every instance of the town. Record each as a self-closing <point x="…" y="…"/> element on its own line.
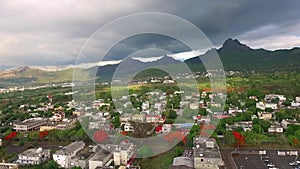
<point x="59" y="132"/>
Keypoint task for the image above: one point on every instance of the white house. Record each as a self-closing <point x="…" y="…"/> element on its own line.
<point x="295" y="104"/>
<point x="145" y="105"/>
<point x="273" y="106"/>
<point x="166" y="128"/>
<point x="128" y="127"/>
<point x="275" y="129"/>
<point x="122" y="153"/>
<point x="63" y="157"/>
<point x="100" y="159"/>
<point x="33" y="156"/>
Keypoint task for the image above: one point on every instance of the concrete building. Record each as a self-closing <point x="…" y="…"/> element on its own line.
<point x="145" y="105"/>
<point x="8" y="166"/>
<point x="63" y="157"/>
<point x="265" y="115"/>
<point x="138" y="117"/>
<point x="100" y="159"/>
<point x="245" y="125"/>
<point x="206" y="154"/>
<point x="295" y="104"/>
<point x="166" y="128"/>
<point x="128" y="127"/>
<point x="286" y="122"/>
<point x="182" y="163"/>
<point x="29" y="124"/>
<point x="275" y="128"/>
<point x="34" y="156"/>
<point x="121" y="153"/>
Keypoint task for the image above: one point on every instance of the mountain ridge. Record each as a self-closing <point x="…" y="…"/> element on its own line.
<point x="234" y="55"/>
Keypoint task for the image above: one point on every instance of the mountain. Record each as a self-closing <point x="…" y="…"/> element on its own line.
<point x="131" y="66"/>
<point x="239" y="57"/>
<point x="233" y="54"/>
<point x="27" y="75"/>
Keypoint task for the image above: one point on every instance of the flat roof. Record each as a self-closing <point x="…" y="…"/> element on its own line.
<point x="201" y="149"/>
<point x="33" y="152"/>
<point x="100" y="155"/>
<point x="183" y="161"/>
<point x="70" y="148"/>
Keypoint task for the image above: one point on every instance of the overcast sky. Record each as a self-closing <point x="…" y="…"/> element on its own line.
<point x="52" y="32"/>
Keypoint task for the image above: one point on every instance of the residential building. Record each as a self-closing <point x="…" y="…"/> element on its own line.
<point x="182" y="163"/>
<point x="99" y="125"/>
<point x="286" y="122"/>
<point x="275" y="128"/>
<point x="145" y="105"/>
<point x="121" y="153"/>
<point x="34" y="156"/>
<point x="295" y="104"/>
<point x="59" y="116"/>
<point x="63" y="157"/>
<point x="245" y="125"/>
<point x="29" y="124"/>
<point x="48" y="127"/>
<point x="206" y="154"/>
<point x="100" y="159"/>
<point x="128" y="127"/>
<point x="153" y="118"/>
<point x="265" y="115"/>
<point x="82" y="157"/>
<point x="260" y="105"/>
<point x="168" y="81"/>
<point x="138" y="117"/>
<point x="125" y="118"/>
<point x="263" y="106"/>
<point x="8" y="166"/>
<point x="273" y="106"/>
<point x="166" y="128"/>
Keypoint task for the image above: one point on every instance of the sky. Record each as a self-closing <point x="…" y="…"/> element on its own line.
<point x="52" y="32"/>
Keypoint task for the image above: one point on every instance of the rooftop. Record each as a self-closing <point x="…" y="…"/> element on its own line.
<point x="70" y="148"/>
<point x="183" y="161"/>
<point x="100" y="155"/>
<point x="33" y="152"/>
<point x="29" y="121"/>
<point x="207" y="148"/>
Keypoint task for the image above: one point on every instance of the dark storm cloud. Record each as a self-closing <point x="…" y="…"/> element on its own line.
<point x="139" y="42"/>
<point x="53" y="32"/>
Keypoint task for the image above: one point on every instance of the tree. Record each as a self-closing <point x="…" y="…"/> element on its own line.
<point x="202" y="112"/>
<point x="287" y="103"/>
<point x="257" y="128"/>
<point x="178" y="151"/>
<point x="76" y="167"/>
<point x="52" y="165"/>
<point x="172" y="114"/>
<point x="264" y="124"/>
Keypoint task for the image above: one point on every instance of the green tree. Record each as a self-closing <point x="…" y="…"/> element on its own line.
<point x="52" y="165"/>
<point x="202" y="112"/>
<point x="76" y="167"/>
<point x="257" y="128"/>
